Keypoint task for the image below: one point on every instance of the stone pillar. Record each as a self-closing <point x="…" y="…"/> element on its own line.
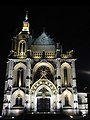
<point x="28" y="72"/>
<point x="75" y="106"/>
<point x="58" y="72"/>
<point x="28" y="82"/>
<point x="28" y="67"/>
<point x="73" y="69"/>
<point x="32" y="102"/>
<point x="10" y="69"/>
<point x="10" y="78"/>
<point x="8" y="83"/>
<point x="74" y="86"/>
<point x="58" y="83"/>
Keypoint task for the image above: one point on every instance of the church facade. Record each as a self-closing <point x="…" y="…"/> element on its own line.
<point x="40" y="78"/>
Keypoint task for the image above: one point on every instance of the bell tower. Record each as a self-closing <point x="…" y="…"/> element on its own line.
<point x="18" y="73"/>
<point x="19" y="43"/>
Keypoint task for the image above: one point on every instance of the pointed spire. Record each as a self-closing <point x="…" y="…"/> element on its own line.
<point x="26" y="23"/>
<point x="26" y="17"/>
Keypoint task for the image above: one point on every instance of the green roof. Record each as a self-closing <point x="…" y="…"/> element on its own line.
<point x="43" y="39"/>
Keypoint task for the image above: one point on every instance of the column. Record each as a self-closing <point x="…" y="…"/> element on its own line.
<point x="10" y="69"/>
<point x="74" y="86"/>
<point x="10" y="78"/>
<point x="73" y="69"/>
<point x="10" y="72"/>
<point x="58" y="72"/>
<point x="58" y="83"/>
<point x="28" y="81"/>
<point x="28" y="72"/>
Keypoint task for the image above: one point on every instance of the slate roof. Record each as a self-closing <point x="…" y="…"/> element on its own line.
<point x="43" y="39"/>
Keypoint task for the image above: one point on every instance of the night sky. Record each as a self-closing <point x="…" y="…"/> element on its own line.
<point x="67" y="24"/>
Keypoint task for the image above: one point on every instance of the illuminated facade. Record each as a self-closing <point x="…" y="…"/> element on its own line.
<point x="40" y="78"/>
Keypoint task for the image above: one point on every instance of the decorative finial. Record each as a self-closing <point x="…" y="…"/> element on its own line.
<point x="26" y="17"/>
<point x="26" y="23"/>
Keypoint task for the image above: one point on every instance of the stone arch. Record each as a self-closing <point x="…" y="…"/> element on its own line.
<point x="43" y="63"/>
<point x="15" y="95"/>
<point x="16" y="67"/>
<point x="44" y="89"/>
<point x="43" y="86"/>
<point x="43" y="69"/>
<point x="22" y="46"/>
<point x="43" y="82"/>
<point x="66" y="74"/>
<point x="49" y="86"/>
<point x="67" y="95"/>
<point x="20" y="64"/>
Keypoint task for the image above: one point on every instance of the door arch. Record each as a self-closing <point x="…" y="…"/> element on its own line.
<point x="67" y="98"/>
<point x="48" y="97"/>
<point x="43" y="99"/>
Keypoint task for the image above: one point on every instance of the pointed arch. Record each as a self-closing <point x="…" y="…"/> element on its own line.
<point x="44" y="63"/>
<point x="19" y="75"/>
<point x="47" y="90"/>
<point x="43" y="82"/>
<point x="18" y="98"/>
<point x="22" y="47"/>
<point x="66" y="74"/>
<point x="43" y="69"/>
<point x="43" y="88"/>
<point x="67" y="98"/>
<point x="43" y="99"/>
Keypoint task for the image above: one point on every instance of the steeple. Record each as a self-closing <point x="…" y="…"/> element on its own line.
<point x="26" y="17"/>
<point x="26" y="23"/>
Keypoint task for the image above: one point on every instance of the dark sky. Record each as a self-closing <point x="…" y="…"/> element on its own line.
<point x="67" y="24"/>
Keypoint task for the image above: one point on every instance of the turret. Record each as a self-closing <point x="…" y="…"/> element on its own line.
<point x="21" y="41"/>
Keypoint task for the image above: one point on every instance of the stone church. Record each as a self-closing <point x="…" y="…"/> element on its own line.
<point x="40" y="78"/>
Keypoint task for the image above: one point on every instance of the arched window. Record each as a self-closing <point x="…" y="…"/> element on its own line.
<point x="22" y="46"/>
<point x="20" y="77"/>
<point x="43" y="72"/>
<point x="66" y="101"/>
<point x="65" y="76"/>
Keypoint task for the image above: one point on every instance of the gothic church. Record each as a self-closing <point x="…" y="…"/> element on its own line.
<point x="40" y="78"/>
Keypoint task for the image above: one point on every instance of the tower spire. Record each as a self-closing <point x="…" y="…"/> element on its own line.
<point x="26" y="17"/>
<point x="26" y="23"/>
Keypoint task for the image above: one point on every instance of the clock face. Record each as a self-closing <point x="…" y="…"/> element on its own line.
<point x="43" y="40"/>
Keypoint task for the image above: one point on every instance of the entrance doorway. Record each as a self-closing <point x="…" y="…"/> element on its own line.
<point x="43" y="104"/>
